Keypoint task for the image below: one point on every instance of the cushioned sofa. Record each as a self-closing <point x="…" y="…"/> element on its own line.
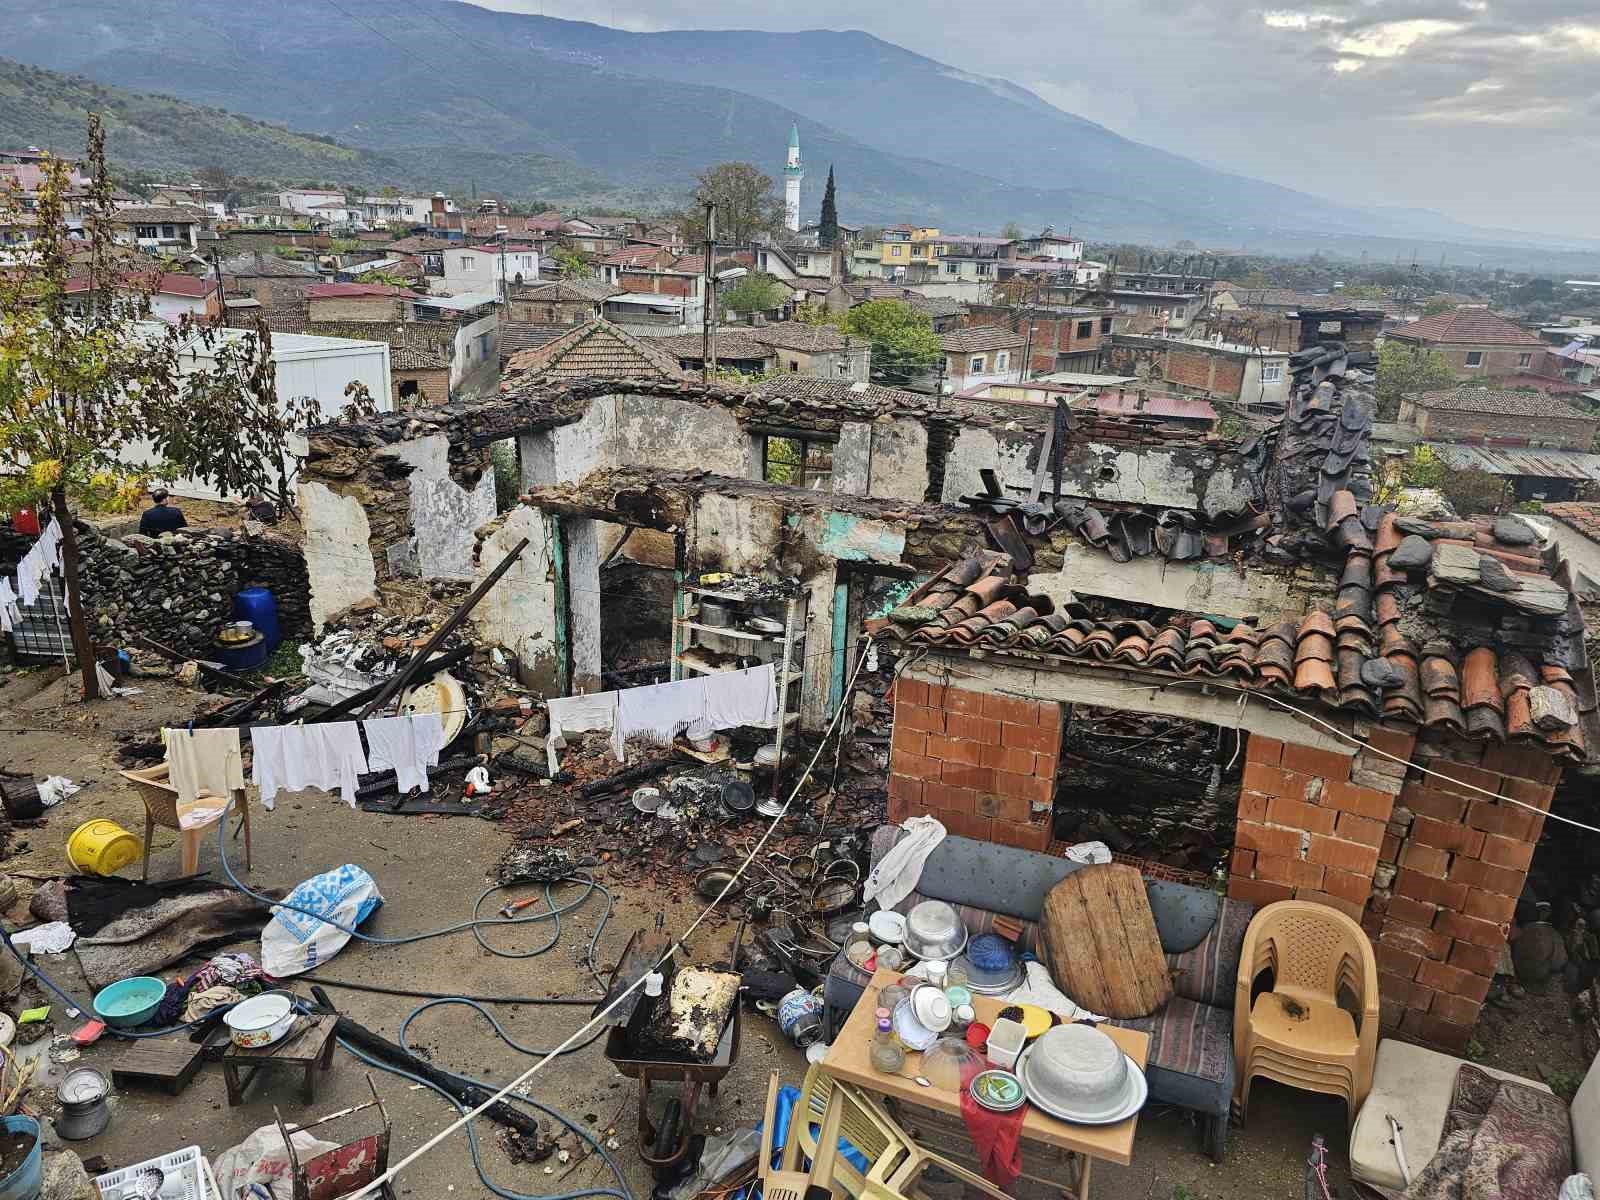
<point x="1191" y="1037"/>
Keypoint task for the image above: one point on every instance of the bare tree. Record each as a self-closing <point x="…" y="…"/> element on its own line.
<point x="746" y="204"/>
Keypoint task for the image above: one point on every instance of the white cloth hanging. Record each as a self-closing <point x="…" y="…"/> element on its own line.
<point x="898" y="872"/>
<point x="407" y="745"/>
<point x="9" y="616"/>
<point x="658" y="712"/>
<point x="748" y="697"/>
<point x="577" y="714"/>
<point x="203" y="761"/>
<point x="292" y="757"/>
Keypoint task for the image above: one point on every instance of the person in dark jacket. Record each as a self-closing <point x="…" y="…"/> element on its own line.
<point x="161" y="517"/>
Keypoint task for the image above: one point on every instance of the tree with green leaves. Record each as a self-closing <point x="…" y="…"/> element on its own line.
<point x="1434" y="308"/>
<point x="1013" y="231"/>
<point x="569" y="263"/>
<point x="755" y="292"/>
<point x="904" y="345"/>
<point x="746" y="205"/>
<point x="1404" y="369"/>
<point x="828" y="229"/>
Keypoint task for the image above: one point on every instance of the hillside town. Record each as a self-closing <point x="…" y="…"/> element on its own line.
<point x="931" y="710"/>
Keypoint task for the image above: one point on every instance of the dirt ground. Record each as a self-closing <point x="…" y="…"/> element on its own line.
<point x="430" y="870"/>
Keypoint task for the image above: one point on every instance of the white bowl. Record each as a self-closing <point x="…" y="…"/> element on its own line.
<point x="887" y="926"/>
<point x="260" y="1020"/>
<point x="909" y="1030"/>
<point x="932" y="1008"/>
<point x="1077" y="1070"/>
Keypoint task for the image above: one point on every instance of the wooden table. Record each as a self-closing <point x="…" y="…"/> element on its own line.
<point x="308" y="1050"/>
<point x="936" y="1113"/>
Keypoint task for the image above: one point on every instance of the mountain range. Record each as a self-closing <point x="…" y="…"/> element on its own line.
<point x="421" y="82"/>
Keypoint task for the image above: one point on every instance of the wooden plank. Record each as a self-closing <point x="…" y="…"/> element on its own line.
<point x="848" y="1059"/>
<point x="1104" y="952"/>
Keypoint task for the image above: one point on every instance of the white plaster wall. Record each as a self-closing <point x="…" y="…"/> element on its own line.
<point x="660" y="431"/>
<point x="899" y="459"/>
<point x="973" y="450"/>
<point x="582" y="541"/>
<point x="338" y="563"/>
<point x="519" y="612"/>
<point x="443" y="513"/>
<point x="852" y="458"/>
<point x="738" y="534"/>
<point x="1205" y="587"/>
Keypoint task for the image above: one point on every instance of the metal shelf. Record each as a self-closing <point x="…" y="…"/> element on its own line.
<point x="743" y="635"/>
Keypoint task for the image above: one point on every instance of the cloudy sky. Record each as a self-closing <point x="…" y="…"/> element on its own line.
<point x="1487" y="110"/>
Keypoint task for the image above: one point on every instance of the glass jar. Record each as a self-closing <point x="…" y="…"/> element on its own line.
<point x="886" y="1056"/>
<point x="938" y="972"/>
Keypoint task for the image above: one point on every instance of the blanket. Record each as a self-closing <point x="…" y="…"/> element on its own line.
<point x="144" y="940"/>
<point x="1502" y="1141"/>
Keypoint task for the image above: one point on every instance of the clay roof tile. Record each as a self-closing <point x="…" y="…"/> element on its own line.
<point x="1317" y="621"/>
<point x="1439" y="678"/>
<point x="1442" y="711"/>
<point x="1480" y="680"/>
<point x="1313" y="676"/>
<point x="1132" y="649"/>
<point x="1342" y="504"/>
<point x="1389" y="536"/>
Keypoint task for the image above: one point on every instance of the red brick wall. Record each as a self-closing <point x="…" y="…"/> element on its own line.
<point x="1311" y="822"/>
<point x="1454" y="864"/>
<point x="983" y="763"/>
<point x="658" y="285"/>
<point x="1207" y="372"/>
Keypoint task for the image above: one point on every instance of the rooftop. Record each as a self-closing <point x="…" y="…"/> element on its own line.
<point x="171" y="283"/>
<point x="595" y="350"/>
<point x="732" y="342"/>
<point x="797" y="335"/>
<point x="1495" y="402"/>
<point x="1472" y="326"/>
<point x="346" y="291"/>
<point x="977" y="338"/>
<point x="157" y="214"/>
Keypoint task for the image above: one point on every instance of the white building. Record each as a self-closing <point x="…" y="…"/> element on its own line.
<point x="479" y="268"/>
<point x="335" y="212"/>
<point x="305" y="365"/>
<point x="400" y="210"/>
<point x="793" y="173"/>
<point x="475" y="349"/>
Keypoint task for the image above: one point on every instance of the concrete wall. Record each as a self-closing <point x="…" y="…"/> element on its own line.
<point x="1574" y="433"/>
<point x="899" y="465"/>
<point x="475" y="368"/>
<point x="443" y="514"/>
<point x="519" y="611"/>
<point x="338" y="562"/>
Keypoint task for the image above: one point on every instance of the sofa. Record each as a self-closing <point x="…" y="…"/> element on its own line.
<point x="1191" y="1038"/>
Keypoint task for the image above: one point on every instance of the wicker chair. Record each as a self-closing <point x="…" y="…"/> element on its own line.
<point x="1297" y="1031"/>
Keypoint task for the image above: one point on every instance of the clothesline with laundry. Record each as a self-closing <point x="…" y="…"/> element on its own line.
<point x="42" y="558"/>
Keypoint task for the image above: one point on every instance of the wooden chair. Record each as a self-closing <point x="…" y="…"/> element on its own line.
<point x="161" y="808"/>
<point x="1296" y="1031"/>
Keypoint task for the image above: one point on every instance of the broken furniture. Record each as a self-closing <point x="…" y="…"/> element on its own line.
<point x="344" y="1170"/>
<point x="786" y="1181"/>
<point x="161" y="808"/>
<point x="1414" y="1086"/>
<point x="1101" y="942"/>
<point x="1191" y="1060"/>
<point x="1051" y="1148"/>
<point x="1295" y="1031"/>
<point x="308" y="1051"/>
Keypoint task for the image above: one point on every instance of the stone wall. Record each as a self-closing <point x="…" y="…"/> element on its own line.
<point x="1576" y="433"/>
<point x="179" y="589"/>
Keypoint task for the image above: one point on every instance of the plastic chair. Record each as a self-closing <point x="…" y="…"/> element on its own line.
<point x="779" y="1183"/>
<point x="817" y="1095"/>
<point x="161" y="808"/>
<point x="1296" y="1032"/>
<point x="895" y="1172"/>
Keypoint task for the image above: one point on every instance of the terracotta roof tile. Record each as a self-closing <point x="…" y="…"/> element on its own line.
<point x="1480" y="681"/>
<point x="1469" y="326"/>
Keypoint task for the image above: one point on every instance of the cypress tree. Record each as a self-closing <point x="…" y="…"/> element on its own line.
<point x="828" y="233"/>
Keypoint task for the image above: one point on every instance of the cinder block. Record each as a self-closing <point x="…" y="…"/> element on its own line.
<point x="1457" y="838"/>
<point x="1487" y="876"/>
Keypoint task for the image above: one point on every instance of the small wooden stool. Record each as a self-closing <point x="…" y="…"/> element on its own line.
<point x="306" y="1051"/>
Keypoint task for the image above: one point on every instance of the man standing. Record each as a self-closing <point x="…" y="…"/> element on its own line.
<point x="161" y="517"/>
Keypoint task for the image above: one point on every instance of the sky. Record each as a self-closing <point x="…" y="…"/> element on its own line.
<point x="1485" y="110"/>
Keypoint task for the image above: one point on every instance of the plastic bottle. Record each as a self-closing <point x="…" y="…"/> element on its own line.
<point x="886" y="1054"/>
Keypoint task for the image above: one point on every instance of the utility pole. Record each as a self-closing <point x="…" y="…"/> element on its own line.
<point x="708" y="326"/>
<point x="505" y="283"/>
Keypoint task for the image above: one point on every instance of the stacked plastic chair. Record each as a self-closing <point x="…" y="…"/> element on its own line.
<point x="1316" y="1025"/>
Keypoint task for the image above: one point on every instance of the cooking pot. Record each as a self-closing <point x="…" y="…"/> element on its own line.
<point x="260" y="1020"/>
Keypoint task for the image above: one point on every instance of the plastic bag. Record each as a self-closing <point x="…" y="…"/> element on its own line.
<point x="294" y="941"/>
<point x="262" y="1159"/>
<point x="57" y="788"/>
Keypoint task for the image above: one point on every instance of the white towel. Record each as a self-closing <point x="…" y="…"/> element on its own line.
<point x="406" y="745"/>
<point x="658" y="713"/>
<point x="734" y="698"/>
<point x="898" y="872"/>
<point x="203" y="760"/>
<point x="292" y="757"/>
<point x="577" y="714"/>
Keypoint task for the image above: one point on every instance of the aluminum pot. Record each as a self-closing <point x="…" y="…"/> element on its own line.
<point x="260" y="1020"/>
<point x="715" y="613"/>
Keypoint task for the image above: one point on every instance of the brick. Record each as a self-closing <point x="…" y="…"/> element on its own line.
<point x="1376" y="764"/>
<point x="1348" y="907"/>
<point x="1389" y="1013"/>
<point x="1412" y="912"/>
<point x="1275" y="781"/>
<point x="1347" y="885"/>
<point x="1261" y="749"/>
<point x="1448" y="1035"/>
<point x="1426" y="802"/>
<point x="1507" y="852"/>
<point x="1430" y="860"/>
<point x="1263" y="839"/>
<point x="1507" y="820"/>
<point x="972" y="728"/>
<point x="1463" y="778"/>
<point x="1395" y="987"/>
<point x="917" y="766"/>
<point x="1455" y="837"/>
<point x="1487" y="876"/>
<point x="1289" y="871"/>
<point x="1004" y="808"/>
<point x="1049" y="717"/>
<point x="1389" y="785"/>
<point x="1363" y="801"/>
<point x="1521" y="762"/>
<point x="912" y="741"/>
<point x="1537" y="794"/>
<point x="1257" y="891"/>
<point x="1470" y="929"/>
<point x="1420" y="1001"/>
<point x="1346" y="856"/>
<point x="1443" y="977"/>
<point x="1489" y="906"/>
<point x="1024" y="837"/>
<point x="1389" y="849"/>
<point x="1008" y="758"/>
<point x="1297" y="814"/>
<point x="912" y="716"/>
<point x="911" y="691"/>
<point x="949" y="797"/>
<point x="1029" y="737"/>
<point x="1426" y="943"/>
<point x="1037" y="788"/>
<point x="1253" y="806"/>
<point x="1460" y="1010"/>
<point x="1242" y="862"/>
<point x="960" y="700"/>
<point x="1480" y="960"/>
<point x="1325" y="764"/>
<point x="1011" y="708"/>
<point x="1353" y="828"/>
<point x="967" y="775"/>
<point x="939" y="746"/>
<point x="1396" y="958"/>
<point x="1429" y="890"/>
<point x="1392" y="741"/>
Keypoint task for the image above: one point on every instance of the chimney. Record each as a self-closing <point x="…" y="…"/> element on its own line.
<point x="1144" y="401"/>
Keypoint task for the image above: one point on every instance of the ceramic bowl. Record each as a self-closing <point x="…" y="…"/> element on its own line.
<point x="931" y="1007"/>
<point x="1077" y="1072"/>
<point x="260" y="1020"/>
<point x="914" y="1034"/>
<point x="934" y="931"/>
<point x="888" y="927"/>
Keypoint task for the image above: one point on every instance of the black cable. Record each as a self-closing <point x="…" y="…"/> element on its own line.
<point x="413" y="994"/>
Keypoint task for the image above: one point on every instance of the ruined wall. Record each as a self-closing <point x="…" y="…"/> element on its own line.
<point x="338" y="552"/>
<point x="519" y="611"/>
<point x="1208" y="587"/>
<point x="443" y="513"/>
<point x="899" y="463"/>
<point x="1576" y="433"/>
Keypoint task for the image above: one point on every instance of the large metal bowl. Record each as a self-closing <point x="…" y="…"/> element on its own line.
<point x="934" y="931"/>
<point x="1077" y="1072"/>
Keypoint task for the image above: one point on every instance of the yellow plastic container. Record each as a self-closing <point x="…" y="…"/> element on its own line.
<point x="102" y="847"/>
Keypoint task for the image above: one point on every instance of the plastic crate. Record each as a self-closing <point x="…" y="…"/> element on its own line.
<point x="185" y="1176"/>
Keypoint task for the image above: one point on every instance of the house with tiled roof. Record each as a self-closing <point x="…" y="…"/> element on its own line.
<point x="560" y="301"/>
<point x="1477" y="414"/>
<point x="736" y="351"/>
<point x="979" y="354"/>
<point x="163" y="229"/>
<point x="597" y="350"/>
<point x="172" y="295"/>
<point x="817" y="350"/>
<point x="1476" y="343"/>
<point x="357" y="302"/>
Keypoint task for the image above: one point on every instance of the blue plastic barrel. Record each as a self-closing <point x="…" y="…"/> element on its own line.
<point x="24" y="1183"/>
<point x="260" y="607"/>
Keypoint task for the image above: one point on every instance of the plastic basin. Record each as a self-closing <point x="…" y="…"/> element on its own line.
<point x="129" y="1001"/>
<point x="24" y="1183"/>
<point x="102" y="847"/>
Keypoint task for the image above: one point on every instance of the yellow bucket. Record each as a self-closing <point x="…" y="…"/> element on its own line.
<point x="102" y="847"/>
